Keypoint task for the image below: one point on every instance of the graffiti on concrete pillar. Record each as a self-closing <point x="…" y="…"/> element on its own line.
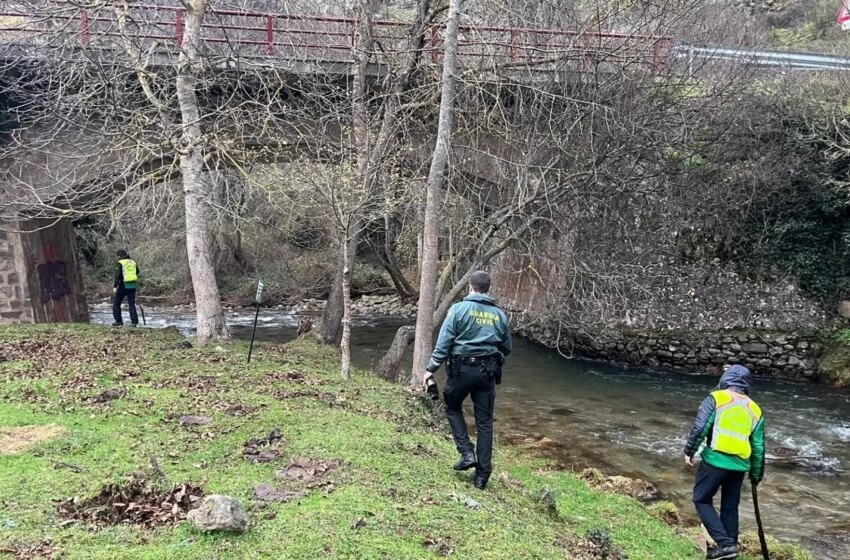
<point x="53" y="276"/>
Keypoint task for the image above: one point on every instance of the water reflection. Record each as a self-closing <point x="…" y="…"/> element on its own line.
<point x="634" y="421"/>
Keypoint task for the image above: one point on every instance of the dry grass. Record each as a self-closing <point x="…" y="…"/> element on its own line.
<point x="24" y="438"/>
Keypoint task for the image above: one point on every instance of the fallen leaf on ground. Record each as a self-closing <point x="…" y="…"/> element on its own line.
<point x="439" y="546"/>
<point x="109" y="395"/>
<point x="292" y="377"/>
<point x="137" y="502"/>
<point x="263" y="450"/>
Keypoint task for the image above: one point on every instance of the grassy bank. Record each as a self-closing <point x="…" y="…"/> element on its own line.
<point x="117" y="400"/>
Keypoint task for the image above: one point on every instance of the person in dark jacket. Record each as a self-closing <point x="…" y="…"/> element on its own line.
<point x="473" y="342"/>
<point x="126" y="282"/>
<point x="732" y="427"/>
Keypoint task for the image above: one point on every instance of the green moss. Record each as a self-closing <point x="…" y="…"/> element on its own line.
<point x="834" y="368"/>
<point x="666" y="512"/>
<point x="394" y="496"/>
<point x="778" y="551"/>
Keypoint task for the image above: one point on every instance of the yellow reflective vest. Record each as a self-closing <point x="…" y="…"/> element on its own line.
<point x="129" y="270"/>
<point x="735" y="420"/>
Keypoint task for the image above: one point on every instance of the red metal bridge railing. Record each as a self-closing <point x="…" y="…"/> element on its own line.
<point x="334" y="38"/>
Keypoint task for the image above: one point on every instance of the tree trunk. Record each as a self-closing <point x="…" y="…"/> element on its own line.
<point x="390" y="364"/>
<point x="211" y="325"/>
<point x="328" y="328"/>
<point x="433" y="201"/>
<point x="386" y="256"/>
<point x="345" y="344"/>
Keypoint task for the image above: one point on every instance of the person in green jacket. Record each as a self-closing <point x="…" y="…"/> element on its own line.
<point x="732" y="427"/>
<point x="473" y="342"/>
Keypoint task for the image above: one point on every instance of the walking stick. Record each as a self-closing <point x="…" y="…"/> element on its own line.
<point x="764" y="552"/>
<point x="144" y="321"/>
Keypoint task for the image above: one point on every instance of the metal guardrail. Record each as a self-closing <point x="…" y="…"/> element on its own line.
<point x="307" y="37"/>
<point x="782" y="59"/>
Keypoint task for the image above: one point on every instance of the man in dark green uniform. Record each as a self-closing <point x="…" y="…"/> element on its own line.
<point x="473" y="341"/>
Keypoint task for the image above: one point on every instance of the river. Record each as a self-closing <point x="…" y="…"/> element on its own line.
<point x="633" y="421"/>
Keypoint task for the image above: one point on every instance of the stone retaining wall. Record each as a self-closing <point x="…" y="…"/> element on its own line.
<point x="384" y="306"/>
<point x="15" y="306"/>
<point x="793" y="355"/>
<point x="779" y="354"/>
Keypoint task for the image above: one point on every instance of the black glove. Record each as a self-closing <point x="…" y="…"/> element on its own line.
<point x="755" y="481"/>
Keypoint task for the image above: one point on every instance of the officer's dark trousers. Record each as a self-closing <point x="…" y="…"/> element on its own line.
<point x="470" y="380"/>
<point x="131" y="301"/>
<point x="723" y="528"/>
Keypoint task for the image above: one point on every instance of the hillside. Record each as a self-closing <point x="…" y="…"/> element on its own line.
<point x="127" y="402"/>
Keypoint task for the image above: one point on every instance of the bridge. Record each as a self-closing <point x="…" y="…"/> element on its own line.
<point x="276" y="38"/>
<point x="39" y="276"/>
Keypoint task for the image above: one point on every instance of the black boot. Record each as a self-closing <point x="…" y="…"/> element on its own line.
<point x="725" y="553"/>
<point x="480" y="480"/>
<point x="466" y="462"/>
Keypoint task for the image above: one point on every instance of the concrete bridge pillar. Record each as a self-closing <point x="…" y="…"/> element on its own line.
<point x="40" y="278"/>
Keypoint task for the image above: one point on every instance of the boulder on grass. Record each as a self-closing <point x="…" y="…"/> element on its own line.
<point x="220" y="513"/>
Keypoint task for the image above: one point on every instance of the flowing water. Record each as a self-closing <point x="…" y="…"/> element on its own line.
<point x="633" y="421"/>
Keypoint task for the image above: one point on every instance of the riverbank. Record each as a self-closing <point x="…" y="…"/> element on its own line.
<point x="122" y="401"/>
<point x="820" y="354"/>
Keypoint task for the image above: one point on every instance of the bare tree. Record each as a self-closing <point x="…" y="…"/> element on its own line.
<point x="436" y="179"/>
<point x="376" y="144"/>
<point x="211" y="324"/>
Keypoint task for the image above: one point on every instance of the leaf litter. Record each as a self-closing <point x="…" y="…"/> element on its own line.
<point x="137" y="502"/>
<point x="29" y="551"/>
<point x="263" y="450"/>
<point x="293" y="377"/>
<point x="108" y="395"/>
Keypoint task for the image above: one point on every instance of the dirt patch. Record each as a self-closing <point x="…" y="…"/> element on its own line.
<point x="307" y="471"/>
<point x="263" y="450"/>
<point x="137" y="503"/>
<point x="266" y="493"/>
<point x="23" y="438"/>
<point x="194" y="420"/>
